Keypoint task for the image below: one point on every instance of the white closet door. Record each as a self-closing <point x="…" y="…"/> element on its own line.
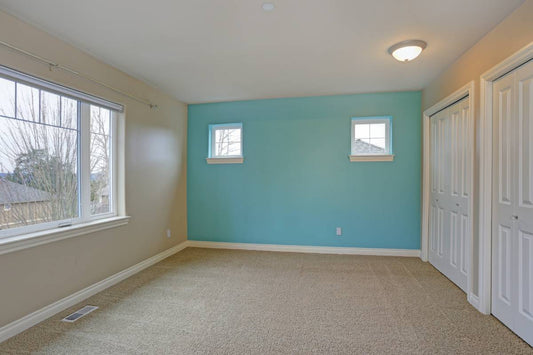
<point x="512" y="219"/>
<point x="450" y="176"/>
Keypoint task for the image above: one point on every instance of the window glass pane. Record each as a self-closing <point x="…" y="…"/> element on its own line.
<point x="362" y="130"/>
<point x="7" y="98"/>
<point x="377" y="144"/>
<point x="100" y="120"/>
<point x="234" y="149"/>
<point x="377" y="130"/>
<point x="100" y="160"/>
<point x="222" y="135"/>
<point x="38" y="172"/>
<point x="27" y="103"/>
<point x="227" y="142"/>
<point x="360" y="147"/>
<point x="359" y="150"/>
<point x="221" y="148"/>
<point x="50" y="108"/>
<point x="69" y="112"/>
<point x="234" y="135"/>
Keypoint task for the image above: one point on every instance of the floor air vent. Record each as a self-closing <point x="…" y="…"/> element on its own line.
<point x="79" y="313"/>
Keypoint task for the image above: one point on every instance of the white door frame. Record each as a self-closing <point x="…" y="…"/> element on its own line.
<point x="485" y="171"/>
<point x="467" y="90"/>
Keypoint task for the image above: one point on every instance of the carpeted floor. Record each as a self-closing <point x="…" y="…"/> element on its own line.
<point x="203" y="301"/>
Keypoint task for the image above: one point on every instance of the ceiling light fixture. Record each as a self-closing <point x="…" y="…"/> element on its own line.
<point x="407" y="50"/>
<point x="268" y="6"/>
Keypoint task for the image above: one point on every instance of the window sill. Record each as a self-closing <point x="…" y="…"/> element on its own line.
<point x="237" y="160"/>
<point x="363" y="158"/>
<point x="30" y="240"/>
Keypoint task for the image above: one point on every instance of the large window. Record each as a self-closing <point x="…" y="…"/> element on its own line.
<point x="57" y="156"/>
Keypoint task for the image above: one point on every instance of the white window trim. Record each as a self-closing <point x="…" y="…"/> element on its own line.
<point x="32" y="235"/>
<point x="33" y="239"/>
<point x="226" y="159"/>
<point x="372" y="156"/>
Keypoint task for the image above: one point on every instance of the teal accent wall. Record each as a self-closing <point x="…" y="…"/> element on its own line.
<point x="296" y="184"/>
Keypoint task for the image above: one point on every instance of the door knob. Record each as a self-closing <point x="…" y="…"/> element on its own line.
<point x="514" y="217"/>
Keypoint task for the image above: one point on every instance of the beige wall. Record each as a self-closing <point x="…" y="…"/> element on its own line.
<point x="513" y="33"/>
<point x="155" y="174"/>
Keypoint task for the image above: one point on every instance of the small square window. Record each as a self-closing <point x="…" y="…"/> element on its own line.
<point x="371" y="136"/>
<point x="225" y="141"/>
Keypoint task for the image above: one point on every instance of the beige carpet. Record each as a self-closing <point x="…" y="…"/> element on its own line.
<point x="203" y="301"/>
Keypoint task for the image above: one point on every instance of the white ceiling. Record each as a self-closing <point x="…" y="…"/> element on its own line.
<point x="214" y="50"/>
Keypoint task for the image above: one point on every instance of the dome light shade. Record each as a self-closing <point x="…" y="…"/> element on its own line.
<point x="407" y="50"/>
<point x="268" y="6"/>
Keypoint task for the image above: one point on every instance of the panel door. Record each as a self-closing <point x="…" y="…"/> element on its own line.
<point x="512" y="214"/>
<point x="449" y="227"/>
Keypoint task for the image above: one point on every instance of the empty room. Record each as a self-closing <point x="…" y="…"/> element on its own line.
<point x="266" y="177"/>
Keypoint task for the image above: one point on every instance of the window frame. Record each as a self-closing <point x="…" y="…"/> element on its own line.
<point x="85" y="220"/>
<point x="85" y="198"/>
<point x="387" y="155"/>
<point x="224" y="159"/>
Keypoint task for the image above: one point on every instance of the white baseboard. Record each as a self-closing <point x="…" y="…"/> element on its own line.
<point x="305" y="249"/>
<point x="18" y="326"/>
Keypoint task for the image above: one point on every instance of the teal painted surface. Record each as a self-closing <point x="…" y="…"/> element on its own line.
<point x="297" y="184"/>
